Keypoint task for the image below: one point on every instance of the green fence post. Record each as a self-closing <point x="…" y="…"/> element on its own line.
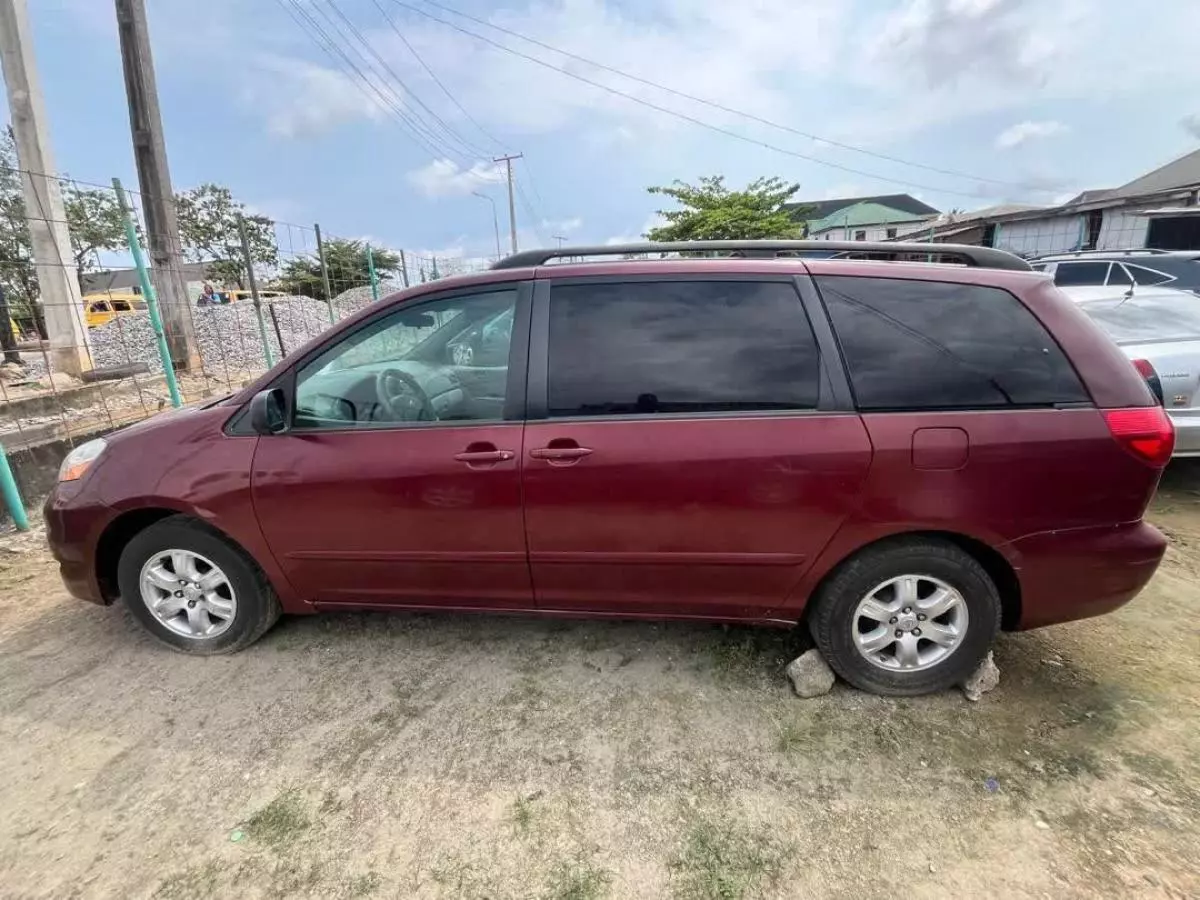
<point x="12" y="494"/>
<point x="371" y="270"/>
<point x="139" y="260"/>
<point x="262" y="325"/>
<point x="325" y="275"/>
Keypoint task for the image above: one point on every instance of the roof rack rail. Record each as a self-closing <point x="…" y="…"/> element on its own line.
<point x="983" y="257"/>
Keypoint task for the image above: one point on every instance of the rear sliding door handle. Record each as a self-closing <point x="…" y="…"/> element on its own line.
<point x="560" y="454"/>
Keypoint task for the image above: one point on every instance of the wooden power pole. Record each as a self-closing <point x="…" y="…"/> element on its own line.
<point x="158" y="200"/>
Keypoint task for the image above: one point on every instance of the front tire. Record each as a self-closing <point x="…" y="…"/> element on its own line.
<point x="193" y="589"/>
<point x="908" y="617"/>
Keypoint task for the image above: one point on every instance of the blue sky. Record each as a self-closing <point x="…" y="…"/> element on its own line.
<point x="1050" y="98"/>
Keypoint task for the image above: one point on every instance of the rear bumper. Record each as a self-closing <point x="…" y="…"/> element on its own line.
<point x="1187" y="432"/>
<point x="1083" y="572"/>
<point x="72" y="530"/>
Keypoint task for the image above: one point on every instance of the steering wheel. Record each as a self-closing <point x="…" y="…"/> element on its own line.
<point x="402" y="397"/>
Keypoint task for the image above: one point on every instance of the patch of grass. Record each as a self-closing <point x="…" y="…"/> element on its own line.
<point x="523" y="812"/>
<point x="725" y="862"/>
<point x="364" y="885"/>
<point x="577" y="881"/>
<point x="279" y="822"/>
<point x="193" y="883"/>
<point x="791" y="736"/>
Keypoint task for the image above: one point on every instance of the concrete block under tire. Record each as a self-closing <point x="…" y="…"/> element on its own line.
<point x="833" y="620"/>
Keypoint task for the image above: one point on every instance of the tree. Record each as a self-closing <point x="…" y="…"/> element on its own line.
<point x="347" y="264"/>
<point x="713" y="212"/>
<point x="18" y="277"/>
<point x="96" y="223"/>
<point x="208" y="230"/>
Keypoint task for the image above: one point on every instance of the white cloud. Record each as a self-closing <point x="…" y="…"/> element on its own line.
<point x="1018" y="134"/>
<point x="1191" y="124"/>
<point x="446" y="178"/>
<point x="299" y="99"/>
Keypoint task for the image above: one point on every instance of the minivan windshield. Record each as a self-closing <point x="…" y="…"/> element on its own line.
<point x="1145" y="319"/>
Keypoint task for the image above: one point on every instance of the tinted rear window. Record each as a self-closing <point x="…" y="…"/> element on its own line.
<point x="935" y="345"/>
<point x="645" y="348"/>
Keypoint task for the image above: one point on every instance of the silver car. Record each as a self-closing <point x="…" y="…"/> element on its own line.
<point x="1159" y="326"/>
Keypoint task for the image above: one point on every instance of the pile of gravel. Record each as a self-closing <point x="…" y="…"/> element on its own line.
<point x="227" y="336"/>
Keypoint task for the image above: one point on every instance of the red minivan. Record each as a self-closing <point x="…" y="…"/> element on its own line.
<point x="904" y="455"/>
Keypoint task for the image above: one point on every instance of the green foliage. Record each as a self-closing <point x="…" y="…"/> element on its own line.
<point x="17" y="274"/>
<point x="347" y="263"/>
<point x="208" y="230"/>
<point x="713" y="212"/>
<point x="95" y="221"/>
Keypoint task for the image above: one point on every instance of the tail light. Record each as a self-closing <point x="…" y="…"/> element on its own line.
<point x="1146" y="370"/>
<point x="1146" y="432"/>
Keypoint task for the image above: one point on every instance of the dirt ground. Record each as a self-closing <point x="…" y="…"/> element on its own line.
<point x="424" y="756"/>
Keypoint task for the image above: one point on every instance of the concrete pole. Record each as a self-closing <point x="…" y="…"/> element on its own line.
<point x="512" y="208"/>
<point x="154" y="177"/>
<point x="58" y="283"/>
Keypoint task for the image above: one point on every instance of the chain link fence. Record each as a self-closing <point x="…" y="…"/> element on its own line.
<point x="80" y="320"/>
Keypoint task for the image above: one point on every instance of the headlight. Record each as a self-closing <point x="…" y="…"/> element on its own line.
<point x="80" y="460"/>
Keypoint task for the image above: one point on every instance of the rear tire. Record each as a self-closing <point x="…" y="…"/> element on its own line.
<point x="195" y="590"/>
<point x="875" y="619"/>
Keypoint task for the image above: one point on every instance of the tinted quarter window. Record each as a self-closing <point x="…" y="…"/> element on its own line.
<point x="645" y="348"/>
<point x="1149" y="276"/>
<point x="936" y="345"/>
<point x="1081" y="273"/>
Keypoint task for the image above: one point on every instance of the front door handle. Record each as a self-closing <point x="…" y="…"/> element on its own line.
<point x="483" y="454"/>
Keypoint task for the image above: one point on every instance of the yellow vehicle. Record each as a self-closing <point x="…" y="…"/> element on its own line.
<point x="237" y="294"/>
<point x="100" y="309"/>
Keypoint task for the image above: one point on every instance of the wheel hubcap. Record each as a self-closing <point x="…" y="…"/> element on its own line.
<point x="909" y="623"/>
<point x="188" y="593"/>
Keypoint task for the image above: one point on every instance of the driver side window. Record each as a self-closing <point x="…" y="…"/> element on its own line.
<point x="443" y="360"/>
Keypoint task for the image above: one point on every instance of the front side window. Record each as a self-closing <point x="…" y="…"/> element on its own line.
<point x="1069" y="273"/>
<point x="439" y="361"/>
<point x="662" y="347"/>
<point x="935" y="345"/>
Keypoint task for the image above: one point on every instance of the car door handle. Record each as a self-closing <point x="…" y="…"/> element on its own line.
<point x="476" y="457"/>
<point x="560" y="454"/>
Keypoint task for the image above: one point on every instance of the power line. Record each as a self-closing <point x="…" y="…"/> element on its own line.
<point x="334" y="51"/>
<point x="445" y="90"/>
<point x="684" y="116"/>
<point x="728" y="109"/>
<point x="451" y="136"/>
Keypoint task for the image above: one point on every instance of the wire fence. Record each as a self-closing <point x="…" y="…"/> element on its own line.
<point x="80" y="346"/>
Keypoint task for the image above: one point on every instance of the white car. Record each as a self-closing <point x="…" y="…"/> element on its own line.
<point x="1159" y="330"/>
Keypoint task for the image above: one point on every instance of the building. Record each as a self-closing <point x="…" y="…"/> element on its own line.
<point x="877" y="218"/>
<point x="1159" y="210"/>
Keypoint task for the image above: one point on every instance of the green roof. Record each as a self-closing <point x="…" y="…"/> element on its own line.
<point x="861" y="214"/>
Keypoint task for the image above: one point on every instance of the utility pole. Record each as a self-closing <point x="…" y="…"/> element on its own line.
<point x="154" y="177"/>
<point x="559" y="238"/>
<point x="495" y="221"/>
<point x="58" y="282"/>
<point x="512" y="208"/>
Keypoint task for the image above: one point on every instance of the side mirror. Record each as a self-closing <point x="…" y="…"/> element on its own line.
<point x="268" y="412"/>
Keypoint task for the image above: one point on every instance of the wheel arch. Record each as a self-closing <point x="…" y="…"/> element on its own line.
<point x="125" y="527"/>
<point x="998" y="568"/>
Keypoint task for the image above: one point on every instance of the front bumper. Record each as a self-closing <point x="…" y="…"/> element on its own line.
<point x="1084" y="572"/>
<point x="73" y="527"/>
